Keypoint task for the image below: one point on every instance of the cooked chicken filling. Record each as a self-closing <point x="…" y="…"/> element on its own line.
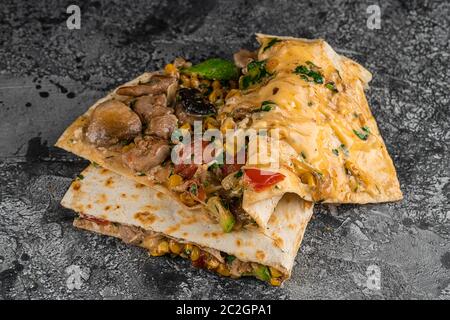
<point x="158" y="244"/>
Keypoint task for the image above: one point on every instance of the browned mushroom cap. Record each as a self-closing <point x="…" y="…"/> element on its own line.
<point x="158" y="84"/>
<point x="147" y="153"/>
<point x="111" y="122"/>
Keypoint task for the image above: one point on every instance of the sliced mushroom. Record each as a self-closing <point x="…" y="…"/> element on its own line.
<point x="243" y="57"/>
<point x="162" y="126"/>
<point x="194" y="103"/>
<point x="148" y="107"/>
<point x="111" y="122"/>
<point x="147" y="153"/>
<point x="157" y="84"/>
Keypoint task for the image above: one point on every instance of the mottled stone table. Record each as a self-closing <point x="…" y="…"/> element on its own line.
<point x="50" y="74"/>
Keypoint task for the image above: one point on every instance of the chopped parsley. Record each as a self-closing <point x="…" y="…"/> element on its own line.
<point x="303" y="155"/>
<point x="95" y="164"/>
<point x="308" y="74"/>
<point x="230" y="258"/>
<point x="332" y="87"/>
<point x="336" y="151"/>
<point x="364" y="134"/>
<point x="344" y="149"/>
<point x="239" y="174"/>
<point x="256" y="71"/>
<point x="193" y="189"/>
<point x="80" y="177"/>
<point x="266" y="106"/>
<point x="214" y="166"/>
<point x="272" y="42"/>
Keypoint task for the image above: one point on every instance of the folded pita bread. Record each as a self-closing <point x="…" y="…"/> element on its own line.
<point x="113" y="205"/>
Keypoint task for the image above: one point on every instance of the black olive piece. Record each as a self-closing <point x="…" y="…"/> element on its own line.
<point x="194" y="103"/>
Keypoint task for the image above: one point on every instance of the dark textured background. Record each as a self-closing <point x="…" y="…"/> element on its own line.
<point x="49" y="75"/>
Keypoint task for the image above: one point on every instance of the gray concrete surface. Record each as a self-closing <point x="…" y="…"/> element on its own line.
<point x="49" y="75"/>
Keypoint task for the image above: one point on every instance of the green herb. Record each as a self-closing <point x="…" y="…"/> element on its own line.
<point x="332" y="87"/>
<point x="193" y="189"/>
<point x="256" y="71"/>
<point x="80" y="177"/>
<point x="214" y="166"/>
<point x="309" y="75"/>
<point x="239" y="174"/>
<point x="271" y="43"/>
<point x="266" y="106"/>
<point x="344" y="149"/>
<point x="311" y="64"/>
<point x="303" y="155"/>
<point x="141" y="174"/>
<point x="310" y="104"/>
<point x="230" y="259"/>
<point x="362" y="135"/>
<point x="336" y="151"/>
<point x="95" y="164"/>
<point x="214" y="69"/>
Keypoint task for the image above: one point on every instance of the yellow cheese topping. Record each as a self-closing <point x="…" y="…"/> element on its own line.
<point x="326" y="120"/>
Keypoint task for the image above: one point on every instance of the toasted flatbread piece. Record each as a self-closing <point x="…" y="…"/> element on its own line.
<point x="106" y="201"/>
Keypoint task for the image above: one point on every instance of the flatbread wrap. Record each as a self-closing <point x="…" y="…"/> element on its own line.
<point x="113" y="205"/>
<point x="297" y="92"/>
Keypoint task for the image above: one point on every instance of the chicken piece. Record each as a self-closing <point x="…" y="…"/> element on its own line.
<point x="147" y="153"/>
<point x="157" y="84"/>
<point x="148" y="107"/>
<point x="162" y="126"/>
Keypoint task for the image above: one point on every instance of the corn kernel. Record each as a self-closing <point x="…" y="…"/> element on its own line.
<point x="213" y="96"/>
<point x="212" y="263"/>
<point x="195" y="254"/>
<point x="174" y="180"/>
<point x="187" y="199"/>
<point x="185" y="81"/>
<point x="211" y="123"/>
<point x="186" y="126"/>
<point x="275" y="282"/>
<point x="223" y="270"/>
<point x="163" y="247"/>
<point x="175" y="247"/>
<point x="170" y="69"/>
<point x="195" y="83"/>
<point x="275" y="272"/>
<point x="216" y="85"/>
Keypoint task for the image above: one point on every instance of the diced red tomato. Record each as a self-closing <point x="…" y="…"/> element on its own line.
<point x="96" y="220"/>
<point x="187" y="171"/>
<point x="261" y="179"/>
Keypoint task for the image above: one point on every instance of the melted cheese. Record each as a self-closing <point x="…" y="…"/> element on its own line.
<point x="314" y="120"/>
